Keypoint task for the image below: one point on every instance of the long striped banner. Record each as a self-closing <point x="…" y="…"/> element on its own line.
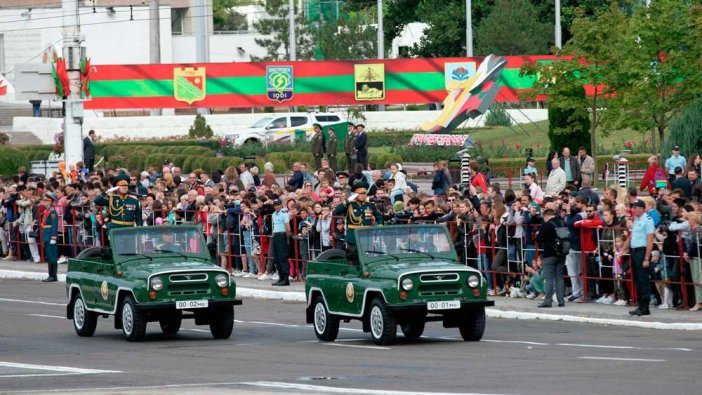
<point x="396" y="81"/>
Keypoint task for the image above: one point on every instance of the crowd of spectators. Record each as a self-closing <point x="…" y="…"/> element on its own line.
<point x="494" y="230"/>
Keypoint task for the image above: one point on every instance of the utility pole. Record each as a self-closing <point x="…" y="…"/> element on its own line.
<point x="73" y="116"/>
<point x="202" y="47"/>
<point x="291" y="27"/>
<point x="381" y="41"/>
<point x="559" y="43"/>
<point x="469" y="28"/>
<point x="154" y="38"/>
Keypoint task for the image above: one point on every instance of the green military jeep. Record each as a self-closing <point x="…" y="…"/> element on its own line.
<point x="406" y="275"/>
<point x="160" y="273"/>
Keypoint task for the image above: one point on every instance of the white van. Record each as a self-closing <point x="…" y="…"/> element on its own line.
<point x="281" y="127"/>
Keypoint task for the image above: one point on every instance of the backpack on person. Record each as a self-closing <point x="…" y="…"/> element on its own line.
<point x="659" y="179"/>
<point x="562" y="241"/>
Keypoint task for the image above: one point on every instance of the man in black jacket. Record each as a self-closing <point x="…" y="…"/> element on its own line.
<point x="360" y="146"/>
<point x="89" y="150"/>
<point x="552" y="263"/>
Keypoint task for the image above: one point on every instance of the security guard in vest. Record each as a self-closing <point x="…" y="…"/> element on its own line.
<point x="123" y="209"/>
<point x="641" y="246"/>
<point x="348" y="146"/>
<point x="49" y="235"/>
<point x="359" y="212"/>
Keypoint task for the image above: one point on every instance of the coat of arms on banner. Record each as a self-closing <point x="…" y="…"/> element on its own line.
<point x="279" y="83"/>
<point x="370" y="81"/>
<point x="189" y="84"/>
<point x="455" y="73"/>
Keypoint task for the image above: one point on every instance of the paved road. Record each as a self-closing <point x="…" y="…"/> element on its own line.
<point x="272" y="349"/>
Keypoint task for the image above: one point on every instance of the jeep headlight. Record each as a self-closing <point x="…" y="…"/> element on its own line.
<point x="407" y="284"/>
<point x="156" y="283"/>
<point x="221" y="280"/>
<point x="473" y="281"/>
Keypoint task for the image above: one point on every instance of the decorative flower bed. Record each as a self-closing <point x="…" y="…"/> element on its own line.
<point x="452" y="140"/>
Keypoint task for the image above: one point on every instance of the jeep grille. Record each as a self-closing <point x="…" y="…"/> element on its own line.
<point x="187" y="277"/>
<point x="189" y="289"/>
<point x="439" y="289"/>
<point x="438" y="277"/>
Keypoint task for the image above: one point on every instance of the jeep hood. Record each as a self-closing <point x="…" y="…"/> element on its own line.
<point x="165" y="266"/>
<point x="394" y="269"/>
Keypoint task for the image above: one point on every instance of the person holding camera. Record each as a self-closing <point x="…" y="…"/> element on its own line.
<point x="552" y="262"/>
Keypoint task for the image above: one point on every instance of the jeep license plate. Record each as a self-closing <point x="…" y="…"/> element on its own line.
<point x="445" y="305"/>
<point x="191" y="304"/>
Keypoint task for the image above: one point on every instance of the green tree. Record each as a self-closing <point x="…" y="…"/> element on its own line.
<point x="349" y="38"/>
<point x="276" y="30"/>
<point x="512" y="28"/>
<point x="226" y="19"/>
<point x="568" y="127"/>
<point x="686" y="130"/>
<point x="657" y="72"/>
<point x="200" y="128"/>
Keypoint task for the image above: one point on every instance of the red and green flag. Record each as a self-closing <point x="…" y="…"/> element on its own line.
<point x="60" y="75"/>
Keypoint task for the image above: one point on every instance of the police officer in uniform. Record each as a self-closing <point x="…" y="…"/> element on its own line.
<point x="359" y="212"/>
<point x="348" y="146"/>
<point x="332" y="147"/>
<point x="49" y="235"/>
<point x="319" y="145"/>
<point x="641" y="246"/>
<point x="123" y="209"/>
<point x="279" y="244"/>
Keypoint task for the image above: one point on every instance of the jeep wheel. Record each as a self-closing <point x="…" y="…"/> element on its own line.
<point x="326" y="326"/>
<point x="383" y="326"/>
<point x="84" y="321"/>
<point x="473" y="325"/>
<point x="133" y="321"/>
<point x="170" y="324"/>
<point x="222" y="323"/>
<point x="413" y="329"/>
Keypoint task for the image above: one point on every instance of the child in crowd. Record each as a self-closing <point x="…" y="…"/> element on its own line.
<point x="339" y="235"/>
<point x="534" y="279"/>
<point x="620" y="269"/>
<point x="303" y="240"/>
<point x="661" y="274"/>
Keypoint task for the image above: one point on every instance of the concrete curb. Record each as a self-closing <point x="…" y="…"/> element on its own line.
<point x="296" y="296"/>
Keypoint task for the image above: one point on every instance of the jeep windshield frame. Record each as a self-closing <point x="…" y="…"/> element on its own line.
<point x="404" y="243"/>
<point x="128" y="244"/>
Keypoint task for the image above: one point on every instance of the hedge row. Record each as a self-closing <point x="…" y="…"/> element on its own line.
<point x="12" y="159"/>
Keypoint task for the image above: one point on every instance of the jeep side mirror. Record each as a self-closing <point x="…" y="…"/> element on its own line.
<point x="106" y="253"/>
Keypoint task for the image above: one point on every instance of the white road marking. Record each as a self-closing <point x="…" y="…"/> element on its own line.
<point x="54" y="370"/>
<point x="196" y="330"/>
<point x="624" y="359"/>
<point x="337" y="390"/>
<point x="32" y="302"/>
<point x="624" y="347"/>
<point x="356" y="346"/>
<point x="515" y="342"/>
<point x="47" y="316"/>
<point x="290" y="325"/>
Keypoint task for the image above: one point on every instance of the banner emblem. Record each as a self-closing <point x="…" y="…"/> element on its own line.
<point x="279" y="83"/>
<point x="189" y="84"/>
<point x="370" y="81"/>
<point x="455" y="73"/>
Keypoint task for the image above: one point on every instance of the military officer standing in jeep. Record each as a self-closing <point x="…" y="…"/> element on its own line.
<point x="123" y="209"/>
<point x="319" y="145"/>
<point x="348" y="146"/>
<point x="359" y="212"/>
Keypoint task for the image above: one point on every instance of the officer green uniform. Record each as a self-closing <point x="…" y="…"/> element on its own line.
<point x="49" y="235"/>
<point x="348" y="147"/>
<point x="332" y="147"/>
<point x="358" y="214"/>
<point x="318" y="145"/>
<point x="124" y="210"/>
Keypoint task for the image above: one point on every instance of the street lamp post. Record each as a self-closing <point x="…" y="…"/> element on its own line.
<point x="469" y="28"/>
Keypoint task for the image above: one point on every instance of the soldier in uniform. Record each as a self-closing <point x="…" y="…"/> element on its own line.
<point x="331" y="148"/>
<point x="49" y="234"/>
<point x="359" y="212"/>
<point x="318" y="145"/>
<point x="348" y="146"/>
<point x="123" y="209"/>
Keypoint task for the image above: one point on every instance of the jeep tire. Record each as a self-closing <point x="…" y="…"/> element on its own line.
<point x="222" y="323"/>
<point x="133" y="320"/>
<point x="472" y="326"/>
<point x="84" y="321"/>
<point x="413" y="329"/>
<point x="170" y="323"/>
<point x="326" y="326"/>
<point x="383" y="326"/>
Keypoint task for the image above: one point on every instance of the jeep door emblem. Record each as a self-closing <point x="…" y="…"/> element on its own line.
<point x="349" y="292"/>
<point x="104" y="291"/>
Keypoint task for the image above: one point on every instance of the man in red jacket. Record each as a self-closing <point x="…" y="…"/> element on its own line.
<point x="588" y="242"/>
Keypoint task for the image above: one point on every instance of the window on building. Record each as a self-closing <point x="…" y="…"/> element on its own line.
<point x="177" y="18"/>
